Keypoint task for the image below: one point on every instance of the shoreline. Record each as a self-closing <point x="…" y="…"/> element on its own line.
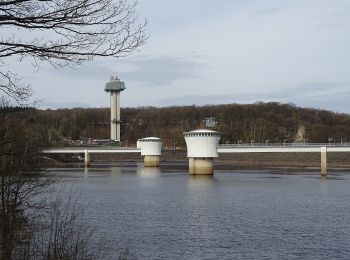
<point x="251" y="160"/>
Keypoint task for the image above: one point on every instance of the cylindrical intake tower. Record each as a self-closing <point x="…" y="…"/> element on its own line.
<point x="115" y="86"/>
<point x="202" y="147"/>
<point x="151" y="149"/>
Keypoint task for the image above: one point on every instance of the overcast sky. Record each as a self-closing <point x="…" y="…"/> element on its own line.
<point x="220" y="51"/>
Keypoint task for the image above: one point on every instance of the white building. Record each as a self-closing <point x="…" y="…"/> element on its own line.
<point x="151" y="149"/>
<point x="202" y="147"/>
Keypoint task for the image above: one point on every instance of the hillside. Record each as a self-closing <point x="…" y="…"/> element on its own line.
<point x="258" y="122"/>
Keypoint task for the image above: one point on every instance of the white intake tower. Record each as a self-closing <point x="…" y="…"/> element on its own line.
<point x="151" y="149"/>
<point x="202" y="145"/>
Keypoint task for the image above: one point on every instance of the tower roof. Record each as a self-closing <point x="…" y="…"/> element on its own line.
<point x="201" y="132"/>
<point x="114" y="85"/>
<point x="150" y="139"/>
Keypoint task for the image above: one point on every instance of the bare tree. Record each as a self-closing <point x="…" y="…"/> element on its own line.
<point x="20" y="181"/>
<point x="38" y="220"/>
<point x="59" y="230"/>
<point x="64" y="32"/>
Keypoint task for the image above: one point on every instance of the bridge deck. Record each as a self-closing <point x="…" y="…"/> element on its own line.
<point x="92" y="150"/>
<point x="282" y="148"/>
<point x="230" y="148"/>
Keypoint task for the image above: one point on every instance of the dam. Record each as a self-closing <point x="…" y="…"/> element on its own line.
<point x="202" y="147"/>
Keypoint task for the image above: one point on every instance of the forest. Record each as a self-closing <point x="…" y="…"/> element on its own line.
<point x="238" y="123"/>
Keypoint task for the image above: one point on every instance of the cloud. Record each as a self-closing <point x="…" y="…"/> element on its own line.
<point x="269" y="11"/>
<point x="50" y="105"/>
<point x="164" y="70"/>
<point x="336" y="19"/>
<point x="265" y="48"/>
<point x="149" y="70"/>
<point x="94" y="70"/>
<point x="329" y="95"/>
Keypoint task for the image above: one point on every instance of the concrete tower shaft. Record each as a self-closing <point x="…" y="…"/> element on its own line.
<point x="115" y="116"/>
<point x="115" y="86"/>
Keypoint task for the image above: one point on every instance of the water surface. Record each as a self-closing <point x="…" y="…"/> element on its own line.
<point x="236" y="214"/>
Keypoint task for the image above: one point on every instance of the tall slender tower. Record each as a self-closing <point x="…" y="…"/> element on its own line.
<point x="115" y="86"/>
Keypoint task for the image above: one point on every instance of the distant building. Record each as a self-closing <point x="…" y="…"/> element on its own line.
<point x="210" y="122"/>
<point x="300" y="136"/>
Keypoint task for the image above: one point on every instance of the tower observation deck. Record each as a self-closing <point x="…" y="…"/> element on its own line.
<point x="114" y="87"/>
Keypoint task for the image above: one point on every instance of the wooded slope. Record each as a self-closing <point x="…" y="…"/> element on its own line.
<point x="258" y="122"/>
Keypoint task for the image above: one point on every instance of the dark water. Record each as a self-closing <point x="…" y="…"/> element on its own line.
<point x="237" y="214"/>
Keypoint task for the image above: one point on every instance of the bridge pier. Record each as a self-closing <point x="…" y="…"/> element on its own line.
<point x="323" y="161"/>
<point x="86" y="158"/>
<point x="151" y="161"/>
<point x="200" y="166"/>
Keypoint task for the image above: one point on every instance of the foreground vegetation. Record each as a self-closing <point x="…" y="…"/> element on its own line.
<point x="259" y="123"/>
<point x="37" y="220"/>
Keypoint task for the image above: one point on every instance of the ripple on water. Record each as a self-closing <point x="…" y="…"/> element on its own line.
<point x="162" y="214"/>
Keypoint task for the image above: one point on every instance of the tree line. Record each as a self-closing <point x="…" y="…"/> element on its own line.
<point x="238" y="123"/>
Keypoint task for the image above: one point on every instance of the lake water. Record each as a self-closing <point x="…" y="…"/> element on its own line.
<point x="236" y="214"/>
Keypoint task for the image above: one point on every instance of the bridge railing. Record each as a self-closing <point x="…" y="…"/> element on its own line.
<point x="344" y="144"/>
<point x="90" y="148"/>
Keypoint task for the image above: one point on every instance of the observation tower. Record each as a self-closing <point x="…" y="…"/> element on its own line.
<point x="114" y="87"/>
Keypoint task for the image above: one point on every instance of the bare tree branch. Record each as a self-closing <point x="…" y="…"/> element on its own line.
<point x="65" y="32"/>
<point x="11" y="85"/>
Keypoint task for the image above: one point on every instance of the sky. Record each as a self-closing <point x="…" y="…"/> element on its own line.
<point x="219" y="52"/>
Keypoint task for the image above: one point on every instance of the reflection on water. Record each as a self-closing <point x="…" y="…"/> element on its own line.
<point x="168" y="214"/>
<point x="324" y="181"/>
<point x="115" y="172"/>
<point x="148" y="172"/>
<point x="200" y="181"/>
